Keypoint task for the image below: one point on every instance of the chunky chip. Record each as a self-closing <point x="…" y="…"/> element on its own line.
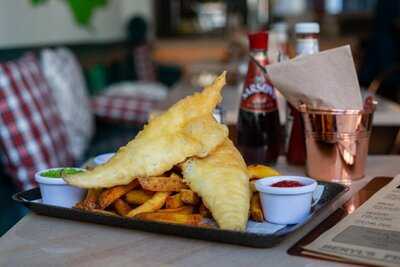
<point x="151" y="205"/>
<point x="180" y="210"/>
<point x="138" y="197"/>
<point x="172" y="183"/>
<point x="121" y="207"/>
<point x="90" y="201"/>
<point x="174" y="201"/>
<point x="260" y="171"/>
<point x="189" y="197"/>
<point x="178" y="218"/>
<point x="256" y="213"/>
<point x="108" y="196"/>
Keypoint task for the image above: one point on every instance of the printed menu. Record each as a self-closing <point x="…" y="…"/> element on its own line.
<point x="370" y="235"/>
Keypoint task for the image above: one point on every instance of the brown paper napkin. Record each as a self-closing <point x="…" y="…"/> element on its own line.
<point x="324" y="80"/>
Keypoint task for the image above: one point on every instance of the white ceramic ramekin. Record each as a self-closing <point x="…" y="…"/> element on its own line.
<point x="286" y="205"/>
<point x="103" y="158"/>
<point x="55" y="191"/>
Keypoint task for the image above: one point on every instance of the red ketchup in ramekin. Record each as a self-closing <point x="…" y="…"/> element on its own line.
<point x="286" y="199"/>
<point x="287" y="183"/>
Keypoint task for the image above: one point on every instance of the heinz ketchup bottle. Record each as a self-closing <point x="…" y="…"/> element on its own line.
<point x="258" y="126"/>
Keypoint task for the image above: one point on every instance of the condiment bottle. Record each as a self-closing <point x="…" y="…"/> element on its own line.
<point x="281" y="32"/>
<point x="258" y="126"/>
<point x="306" y="44"/>
<point x="307" y="38"/>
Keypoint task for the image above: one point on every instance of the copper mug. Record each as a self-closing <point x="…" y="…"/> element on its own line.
<point x="337" y="142"/>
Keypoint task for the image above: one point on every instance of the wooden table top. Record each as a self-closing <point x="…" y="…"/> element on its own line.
<point x="45" y="241"/>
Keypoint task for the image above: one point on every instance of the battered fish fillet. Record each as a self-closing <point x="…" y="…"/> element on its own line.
<point x="222" y="181"/>
<point x="186" y="129"/>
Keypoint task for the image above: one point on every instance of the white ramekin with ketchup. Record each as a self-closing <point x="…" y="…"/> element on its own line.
<point x="286" y="199"/>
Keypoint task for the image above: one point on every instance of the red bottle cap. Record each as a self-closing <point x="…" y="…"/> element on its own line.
<point x="258" y="40"/>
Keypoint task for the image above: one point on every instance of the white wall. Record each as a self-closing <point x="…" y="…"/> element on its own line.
<point x="21" y="24"/>
<point x="137" y="7"/>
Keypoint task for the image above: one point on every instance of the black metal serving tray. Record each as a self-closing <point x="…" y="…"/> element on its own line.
<point x="31" y="199"/>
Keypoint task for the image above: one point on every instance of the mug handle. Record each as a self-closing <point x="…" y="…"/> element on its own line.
<point x="317" y="194"/>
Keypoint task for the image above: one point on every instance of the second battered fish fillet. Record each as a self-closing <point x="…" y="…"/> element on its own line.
<point x="222" y="181"/>
<point x="186" y="129"/>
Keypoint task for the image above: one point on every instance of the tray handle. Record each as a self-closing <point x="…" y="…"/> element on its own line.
<point x="27" y="196"/>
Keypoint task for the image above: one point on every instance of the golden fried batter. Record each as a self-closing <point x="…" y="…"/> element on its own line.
<point x="222" y="181"/>
<point x="185" y="130"/>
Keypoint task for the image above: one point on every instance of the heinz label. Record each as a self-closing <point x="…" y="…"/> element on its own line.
<point x="259" y="96"/>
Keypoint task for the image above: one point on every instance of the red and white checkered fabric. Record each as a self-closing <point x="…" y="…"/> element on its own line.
<point x="128" y="102"/>
<point x="32" y="135"/>
<point x="64" y="75"/>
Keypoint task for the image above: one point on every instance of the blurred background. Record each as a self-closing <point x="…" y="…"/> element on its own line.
<point x="178" y="30"/>
<point x="118" y="61"/>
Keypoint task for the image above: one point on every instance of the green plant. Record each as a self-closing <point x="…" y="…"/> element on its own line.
<point x="81" y="10"/>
